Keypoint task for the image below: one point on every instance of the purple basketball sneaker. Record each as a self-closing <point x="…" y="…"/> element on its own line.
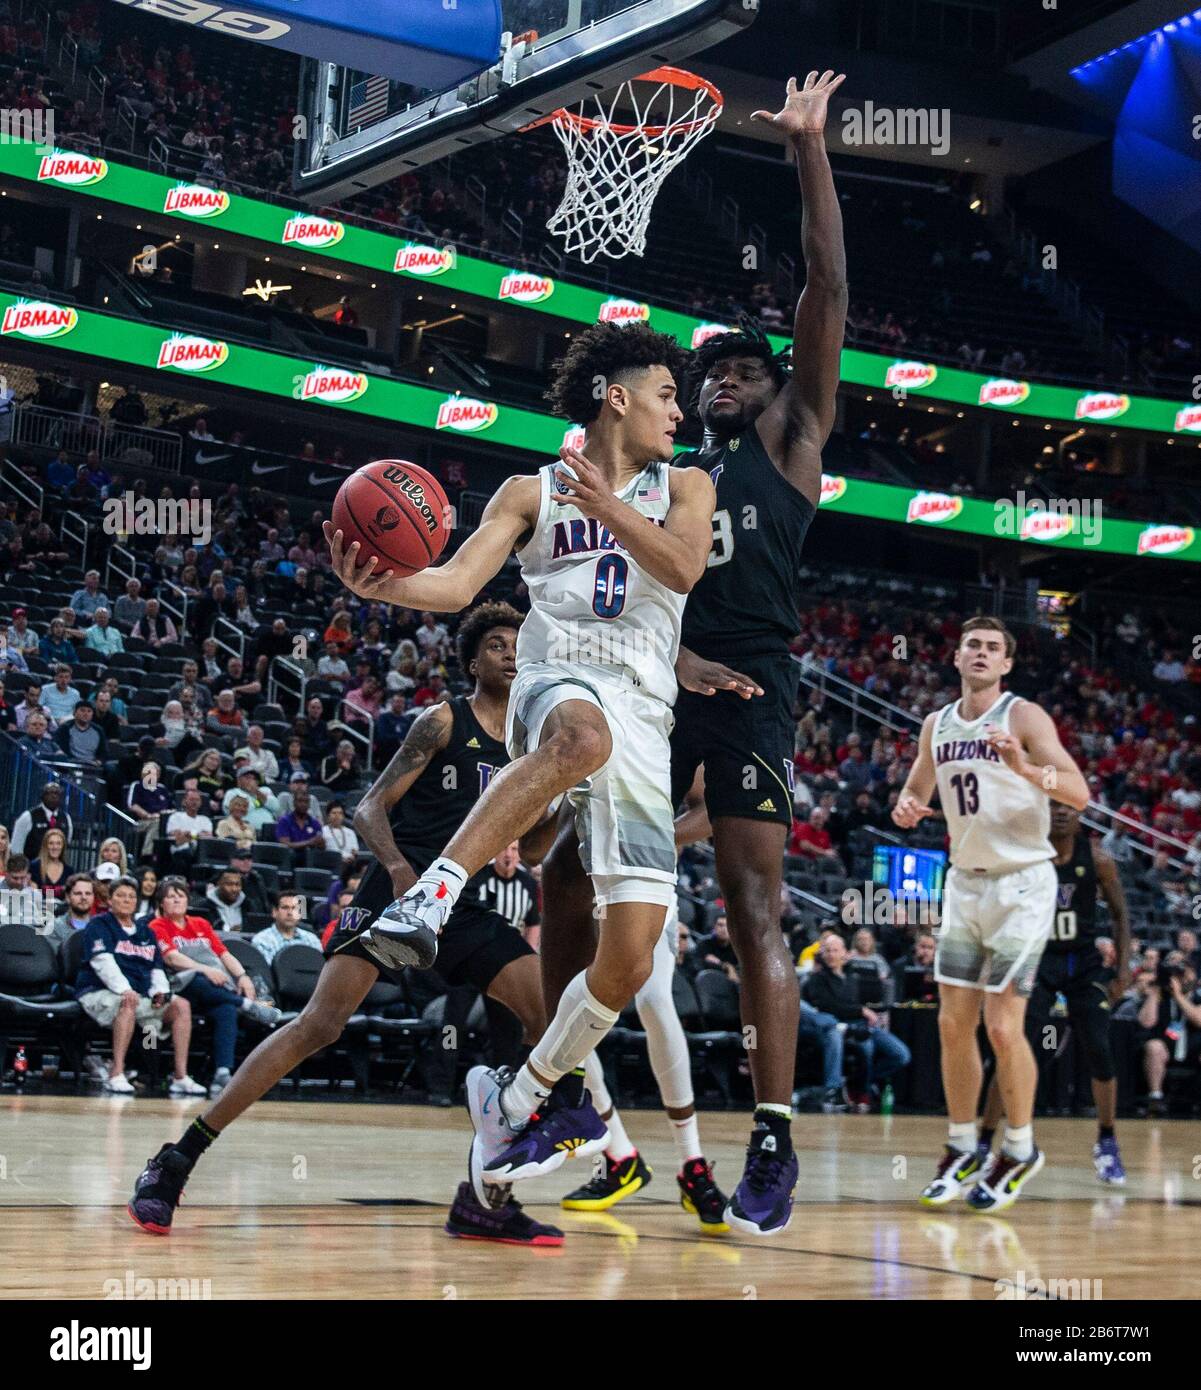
<point x="1107" y="1160"/>
<point x="559" y="1132"/>
<point x="762" y="1201"/>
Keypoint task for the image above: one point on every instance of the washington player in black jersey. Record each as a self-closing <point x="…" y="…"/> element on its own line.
<point x="765" y="426"/>
<point x="1073" y="966"/>
<point x="419" y="800"/>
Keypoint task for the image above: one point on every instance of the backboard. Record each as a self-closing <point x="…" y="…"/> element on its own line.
<point x="365" y="131"/>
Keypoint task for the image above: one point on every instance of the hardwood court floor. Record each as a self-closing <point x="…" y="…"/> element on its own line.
<point x="333" y="1200"/>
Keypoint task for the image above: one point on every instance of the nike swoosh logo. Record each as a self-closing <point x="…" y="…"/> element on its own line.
<point x="599" y="1027"/>
<point x="488" y="1102"/>
<point x="315" y="481"/>
<point x="202" y="458"/>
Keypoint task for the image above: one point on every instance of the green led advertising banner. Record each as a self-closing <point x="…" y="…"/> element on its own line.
<point x="64" y="328"/>
<point x="382" y="254"/>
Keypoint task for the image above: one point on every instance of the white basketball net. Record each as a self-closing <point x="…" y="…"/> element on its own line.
<point x="616" y="168"/>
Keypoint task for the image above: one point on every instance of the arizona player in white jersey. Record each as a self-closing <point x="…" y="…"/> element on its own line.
<point x="998" y="763"/>
<point x="610" y="541"/>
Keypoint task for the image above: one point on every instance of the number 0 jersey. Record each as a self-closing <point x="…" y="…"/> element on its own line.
<point x="747" y="602"/>
<point x="591" y="604"/>
<point x="997" y="821"/>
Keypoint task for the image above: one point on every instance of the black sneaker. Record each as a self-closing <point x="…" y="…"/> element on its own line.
<point x="611" y="1184"/>
<point x="507" y="1224"/>
<point x="700" y="1195"/>
<point x="158" y="1191"/>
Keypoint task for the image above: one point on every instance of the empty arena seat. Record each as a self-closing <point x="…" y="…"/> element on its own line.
<point x="29" y="967"/>
<point x="296" y="971"/>
<point x="717" y="995"/>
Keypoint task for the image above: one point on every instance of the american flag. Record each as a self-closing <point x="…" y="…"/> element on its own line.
<point x="368" y="101"/>
<point x="650" y="494"/>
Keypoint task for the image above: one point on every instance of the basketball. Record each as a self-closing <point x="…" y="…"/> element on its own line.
<point x="397" y="512"/>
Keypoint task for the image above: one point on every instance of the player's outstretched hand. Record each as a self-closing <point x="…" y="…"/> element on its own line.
<point x="708" y="677"/>
<point x="908" y="811"/>
<point x="806" y="107"/>
<point x="359" y="579"/>
<point x="585" y="485"/>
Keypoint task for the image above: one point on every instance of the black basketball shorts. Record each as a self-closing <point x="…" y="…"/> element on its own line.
<point x="475" y="946"/>
<point x="746" y="746"/>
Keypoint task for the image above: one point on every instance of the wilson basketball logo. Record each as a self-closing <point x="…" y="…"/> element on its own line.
<point x="426" y="261"/>
<point x="313" y="232"/>
<point x="468" y="416"/>
<point x="32" y="318"/>
<point x="192" y="200"/>
<point x="189" y="353"/>
<point x="73" y="170"/>
<point x="623" y="311"/>
<point x="415" y="493"/>
<point x="332" y="386"/>
<point x="523" y="288"/>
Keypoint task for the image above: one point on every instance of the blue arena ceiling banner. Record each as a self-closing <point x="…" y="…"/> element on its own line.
<point x="429" y="43"/>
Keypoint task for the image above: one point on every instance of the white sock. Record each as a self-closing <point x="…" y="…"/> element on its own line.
<point x="619" y="1145"/>
<point x="594" y="1079"/>
<point x="687" y="1134"/>
<point x="579" y="1024"/>
<point x="962" y="1137"/>
<point x="1019" y="1143"/>
<point x="444" y="874"/>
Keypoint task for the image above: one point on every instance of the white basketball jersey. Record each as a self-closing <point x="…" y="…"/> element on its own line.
<point x="997" y="820"/>
<point x="590" y="603"/>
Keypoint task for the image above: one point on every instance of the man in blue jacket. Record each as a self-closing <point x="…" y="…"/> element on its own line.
<point x="122" y="983"/>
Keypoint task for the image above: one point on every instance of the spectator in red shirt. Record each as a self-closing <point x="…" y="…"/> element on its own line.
<point x="812" y="839"/>
<point x="208" y="975"/>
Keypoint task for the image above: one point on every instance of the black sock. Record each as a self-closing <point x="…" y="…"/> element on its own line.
<point x="985" y="1139"/>
<point x="780" y="1126"/>
<point x="195" y="1140"/>
<point x="1105" y="1132"/>
<point x="570" y="1088"/>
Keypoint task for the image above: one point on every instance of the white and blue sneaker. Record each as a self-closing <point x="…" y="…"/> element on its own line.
<point x="493" y="1132"/>
<point x="1107" y="1160"/>
<point x="406" y="933"/>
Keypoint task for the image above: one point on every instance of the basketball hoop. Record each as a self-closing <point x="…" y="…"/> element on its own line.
<point x="614" y="169"/>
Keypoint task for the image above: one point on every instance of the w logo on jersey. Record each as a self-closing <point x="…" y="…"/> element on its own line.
<point x="486" y="770"/>
<point x="715" y="473"/>
<point x="1066" y="893"/>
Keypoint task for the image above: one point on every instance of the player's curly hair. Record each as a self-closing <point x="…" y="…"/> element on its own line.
<point x="606" y="353"/>
<point x="747" y="340"/>
<point x="476" y="626"/>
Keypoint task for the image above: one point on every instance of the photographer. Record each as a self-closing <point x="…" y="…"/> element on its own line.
<point x="1170" y="1019"/>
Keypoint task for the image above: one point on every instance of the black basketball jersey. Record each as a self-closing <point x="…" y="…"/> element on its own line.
<point x="1075" y="926"/>
<point x="437" y="803"/>
<point x="746" y="603"/>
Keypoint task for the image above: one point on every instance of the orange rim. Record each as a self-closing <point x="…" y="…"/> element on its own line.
<point x="677" y="77"/>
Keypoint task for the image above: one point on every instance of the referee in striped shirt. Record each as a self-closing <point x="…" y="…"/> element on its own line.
<point x="509" y="888"/>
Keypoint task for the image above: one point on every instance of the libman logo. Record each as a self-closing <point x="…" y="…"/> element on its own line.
<point x="32" y="318"/>
<point x="466" y="415"/>
<point x="73" y="170"/>
<point x="1040" y="525"/>
<point x="573" y="438"/>
<point x="185" y="352"/>
<point x="933" y="507"/>
<point x="415" y="259"/>
<point x="913" y="376"/>
<point x="1001" y="391"/>
<point x="1189" y="418"/>
<point x="332" y="385"/>
<point x="1165" y="540"/>
<point x="1101" y="405"/>
<point x="704" y="331"/>
<point x="623" y="311"/>
<point x="314" y="232"/>
<point x="524" y="288"/>
<point x="832" y="489"/>
<point x="194" y="200"/>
